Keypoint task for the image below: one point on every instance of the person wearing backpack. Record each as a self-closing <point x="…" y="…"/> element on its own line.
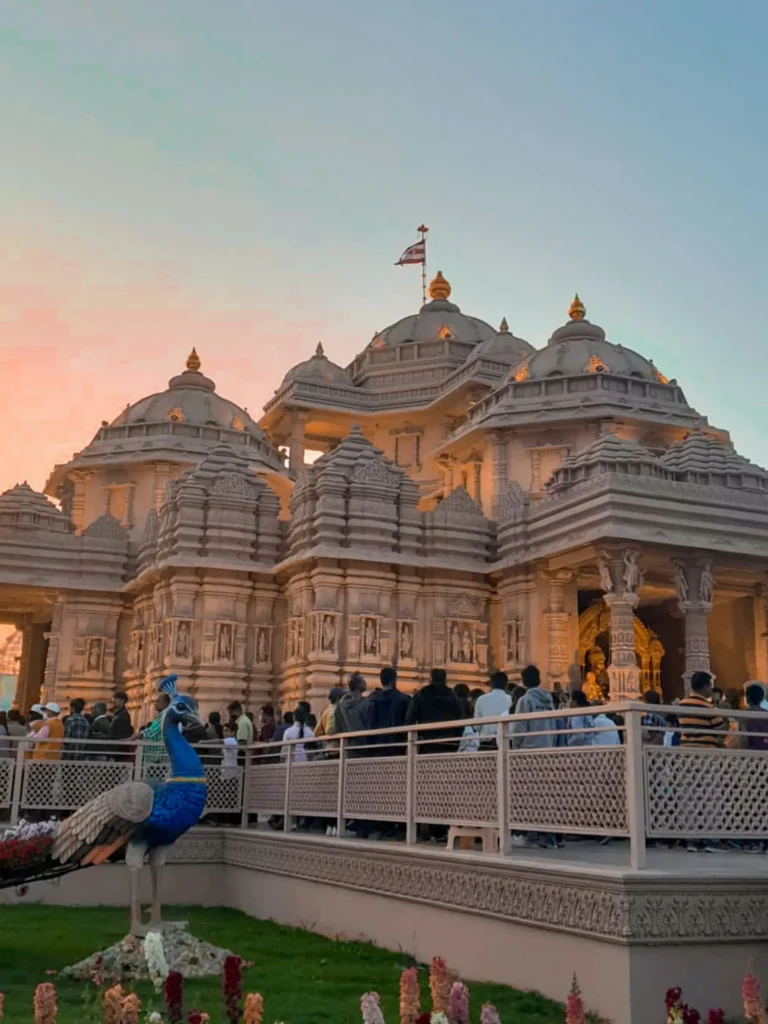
<point x="388" y="708"/>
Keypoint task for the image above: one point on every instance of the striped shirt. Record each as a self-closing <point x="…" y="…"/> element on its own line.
<point x="715" y="726"/>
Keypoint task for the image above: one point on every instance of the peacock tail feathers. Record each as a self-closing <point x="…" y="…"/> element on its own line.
<point x="106" y="820"/>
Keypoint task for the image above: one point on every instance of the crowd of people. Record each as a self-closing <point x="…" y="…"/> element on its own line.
<point x="461" y="719"/>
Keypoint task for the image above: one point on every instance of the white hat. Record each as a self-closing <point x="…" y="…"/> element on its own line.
<point x="38" y="708"/>
<point x="53" y="706"/>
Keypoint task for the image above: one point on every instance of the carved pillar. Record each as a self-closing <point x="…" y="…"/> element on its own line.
<point x="621" y="579"/>
<point x="694" y="584"/>
<point x="446" y="463"/>
<point x="499" y="471"/>
<point x="558" y="625"/>
<point x="477" y="470"/>
<point x="296" y="443"/>
<point x="162" y="476"/>
<point x="79" y="478"/>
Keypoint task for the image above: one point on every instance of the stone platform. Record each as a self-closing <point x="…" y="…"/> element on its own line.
<point x="528" y="920"/>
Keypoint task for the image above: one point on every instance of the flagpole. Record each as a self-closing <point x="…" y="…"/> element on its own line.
<point x="423" y="232"/>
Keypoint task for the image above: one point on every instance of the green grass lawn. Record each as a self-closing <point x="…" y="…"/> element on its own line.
<point x="304" y="979"/>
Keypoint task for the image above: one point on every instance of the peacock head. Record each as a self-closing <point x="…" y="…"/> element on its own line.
<point x="183" y="708"/>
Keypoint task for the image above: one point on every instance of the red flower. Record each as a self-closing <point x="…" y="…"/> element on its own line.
<point x="691" y="1016"/>
<point x="672" y="997"/>
<point x="195" y="1017"/>
<point x="233" y="988"/>
<point x="716" y="1017"/>
<point x="173" y="993"/>
<point x="423" y="1018"/>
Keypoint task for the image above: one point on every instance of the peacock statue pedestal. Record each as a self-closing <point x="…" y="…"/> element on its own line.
<point x="151" y="958"/>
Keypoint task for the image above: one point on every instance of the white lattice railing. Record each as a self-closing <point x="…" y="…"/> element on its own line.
<point x="636" y="790"/>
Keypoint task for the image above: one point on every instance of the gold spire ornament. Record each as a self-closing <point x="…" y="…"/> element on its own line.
<point x="193" y="361"/>
<point x="439" y="287"/>
<point x="577" y="310"/>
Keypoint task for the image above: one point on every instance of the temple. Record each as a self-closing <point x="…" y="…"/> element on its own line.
<point x="454" y="497"/>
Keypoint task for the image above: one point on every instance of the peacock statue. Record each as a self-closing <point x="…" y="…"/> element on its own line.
<point x="140" y="820"/>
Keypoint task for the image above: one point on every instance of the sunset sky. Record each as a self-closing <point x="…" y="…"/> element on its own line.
<point x="242" y="176"/>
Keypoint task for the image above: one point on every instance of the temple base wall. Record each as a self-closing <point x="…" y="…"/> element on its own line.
<point x="627" y="935"/>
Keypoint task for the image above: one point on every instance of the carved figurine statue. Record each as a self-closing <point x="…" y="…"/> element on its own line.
<point x="604" y="568"/>
<point x="681" y="584"/>
<point x="329" y="633"/>
<point x="596" y="684"/>
<point x="406" y="641"/>
<point x="455" y="643"/>
<point x="261" y="647"/>
<point x="134" y="819"/>
<point x="466" y="646"/>
<point x="706" y="585"/>
<point x="369" y="637"/>
<point x="632" y="573"/>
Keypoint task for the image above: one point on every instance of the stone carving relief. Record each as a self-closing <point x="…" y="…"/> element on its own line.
<point x="706" y="584"/>
<point x="461" y="642"/>
<point x="294" y="638"/>
<point x="682" y="586"/>
<point x="328" y="634"/>
<point x="405" y="641"/>
<point x="513" y="503"/>
<point x="224" y="641"/>
<point x="182" y="647"/>
<point x="263" y="651"/>
<point x="515" y="643"/>
<point x="94" y="655"/>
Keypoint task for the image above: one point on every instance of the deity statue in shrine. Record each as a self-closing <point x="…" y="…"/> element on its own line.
<point x="596" y="684"/>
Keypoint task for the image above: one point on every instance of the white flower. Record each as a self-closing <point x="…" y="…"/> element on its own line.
<point x="155" y="1018"/>
<point x="439" y="1018"/>
<point x="154" y="954"/>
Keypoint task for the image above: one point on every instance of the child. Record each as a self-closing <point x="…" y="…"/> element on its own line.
<point x="229" y="753"/>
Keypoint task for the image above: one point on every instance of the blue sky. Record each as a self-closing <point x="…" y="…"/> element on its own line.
<point x="243" y="176"/>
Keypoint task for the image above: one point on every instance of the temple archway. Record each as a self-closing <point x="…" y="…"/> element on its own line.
<point x="594" y="626"/>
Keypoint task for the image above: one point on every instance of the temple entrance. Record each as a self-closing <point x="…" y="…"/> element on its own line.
<point x="594" y="651"/>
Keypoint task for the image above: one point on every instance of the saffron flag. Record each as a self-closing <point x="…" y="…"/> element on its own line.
<point x="416" y="253"/>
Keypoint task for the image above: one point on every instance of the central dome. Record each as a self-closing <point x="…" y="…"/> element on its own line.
<point x="437" y="320"/>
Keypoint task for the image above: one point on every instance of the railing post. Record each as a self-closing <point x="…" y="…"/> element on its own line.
<point x="502" y="787"/>
<point x="18" y="778"/>
<point x="635" y="789"/>
<point x="340" y="818"/>
<point x="245" y="789"/>
<point x="287" y="798"/>
<point x="410" y="790"/>
<point x="138" y="762"/>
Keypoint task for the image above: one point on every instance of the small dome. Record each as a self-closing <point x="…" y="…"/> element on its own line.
<point x="191" y="398"/>
<point x="318" y="370"/>
<point x="581" y="347"/>
<point x="701" y="458"/>
<point x="504" y="347"/>
<point x="437" y="320"/>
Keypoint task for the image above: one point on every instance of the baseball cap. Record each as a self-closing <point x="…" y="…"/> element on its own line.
<point x="38" y="708"/>
<point x="53" y="706"/>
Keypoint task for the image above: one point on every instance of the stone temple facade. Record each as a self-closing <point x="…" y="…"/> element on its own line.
<point x="455" y="497"/>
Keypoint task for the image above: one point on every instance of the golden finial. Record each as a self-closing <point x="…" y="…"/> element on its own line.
<point x="193" y="361"/>
<point x="319" y="350"/>
<point x="577" y="310"/>
<point x="503" y="326"/>
<point x="439" y="288"/>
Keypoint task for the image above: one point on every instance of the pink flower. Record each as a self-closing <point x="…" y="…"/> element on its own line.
<point x="253" y="1011"/>
<point x="45" y="1004"/>
<point x="2" y="1000"/>
<point x="129" y="1011"/>
<point x="371" y="1008"/>
<point x="716" y="1017"/>
<point x="754" y="1010"/>
<point x="439" y="985"/>
<point x="575" y="1005"/>
<point x="489" y="1014"/>
<point x="458" y="1004"/>
<point x="410" y="996"/>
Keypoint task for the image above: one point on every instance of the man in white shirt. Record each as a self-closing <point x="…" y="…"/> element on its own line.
<point x="494" y="704"/>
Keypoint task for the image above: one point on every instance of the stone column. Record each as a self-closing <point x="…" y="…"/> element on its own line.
<point x="477" y="470"/>
<point x="296" y="443"/>
<point x="558" y="625"/>
<point x="162" y="476"/>
<point x="621" y="579"/>
<point x="499" y="470"/>
<point x="694" y="584"/>
<point x="446" y="463"/>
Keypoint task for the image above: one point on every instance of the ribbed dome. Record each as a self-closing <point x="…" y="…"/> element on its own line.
<point x="318" y="370"/>
<point x="608" y="454"/>
<point x="504" y="347"/>
<point x="581" y="347"/>
<point x="191" y="398"/>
